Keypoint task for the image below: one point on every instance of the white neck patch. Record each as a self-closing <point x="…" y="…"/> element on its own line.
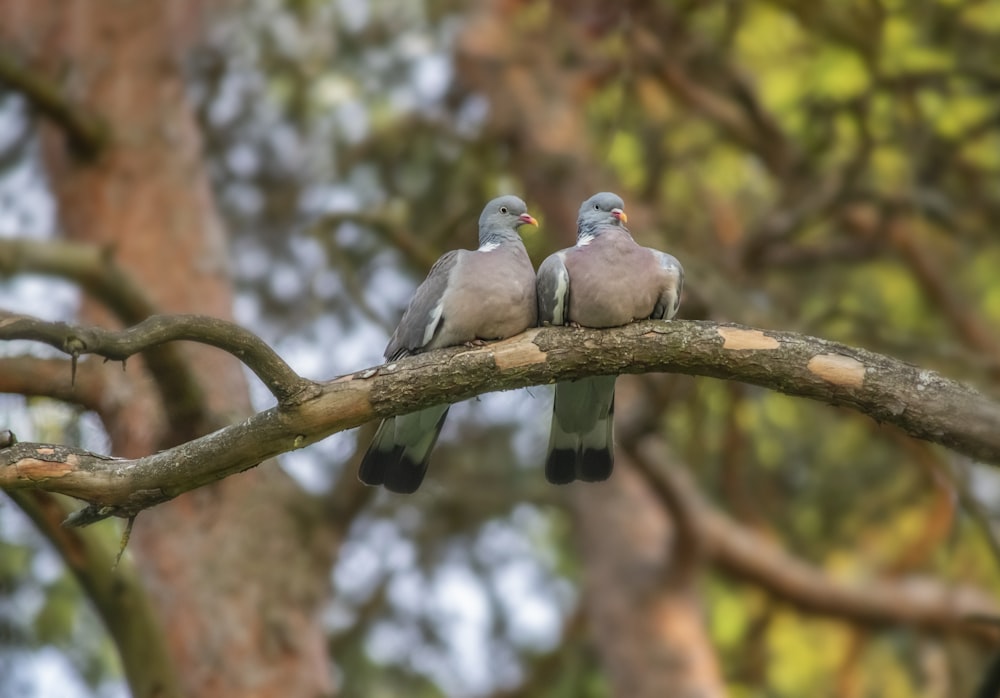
<point x="584" y="240"/>
<point x="488" y="246"/>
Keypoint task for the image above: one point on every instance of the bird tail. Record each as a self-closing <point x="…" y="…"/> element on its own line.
<point x="581" y="439"/>
<point x="381" y="454"/>
<point x="401" y="450"/>
<point x="561" y="457"/>
<point x="597" y="447"/>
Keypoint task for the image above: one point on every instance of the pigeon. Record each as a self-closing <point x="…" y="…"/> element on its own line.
<point x="469" y="296"/>
<point x="606" y="280"/>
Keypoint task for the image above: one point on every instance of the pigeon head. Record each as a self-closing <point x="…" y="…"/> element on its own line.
<point x="601" y="211"/>
<point x="502" y="217"/>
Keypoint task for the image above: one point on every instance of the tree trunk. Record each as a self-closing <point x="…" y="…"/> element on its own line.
<point x="236" y="585"/>
<point x="644" y="609"/>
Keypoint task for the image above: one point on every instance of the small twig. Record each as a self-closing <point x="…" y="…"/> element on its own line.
<point x="126" y="535"/>
<point x="89" y="515"/>
<point x="939" y="287"/>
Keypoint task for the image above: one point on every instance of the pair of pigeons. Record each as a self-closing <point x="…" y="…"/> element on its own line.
<point x="605" y="280"/>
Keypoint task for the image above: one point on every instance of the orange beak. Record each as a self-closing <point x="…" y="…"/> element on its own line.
<point x="528" y="218"/>
<point x="619" y="214"/>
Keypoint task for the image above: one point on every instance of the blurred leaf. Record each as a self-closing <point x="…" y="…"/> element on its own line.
<point x="56" y="620"/>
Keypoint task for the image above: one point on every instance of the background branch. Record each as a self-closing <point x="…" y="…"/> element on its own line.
<point x="754" y="557"/>
<point x="92" y="267"/>
<point x="90" y="555"/>
<point x="87" y="133"/>
<point x="35" y="377"/>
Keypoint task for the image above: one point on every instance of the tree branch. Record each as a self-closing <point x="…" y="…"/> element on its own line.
<point x="34" y="377"/>
<point x="921" y="402"/>
<point x="93" y="267"/>
<point x="87" y="133"/>
<point x="751" y="556"/>
<point x="154" y="331"/>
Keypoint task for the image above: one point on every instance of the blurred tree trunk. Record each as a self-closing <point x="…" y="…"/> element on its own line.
<point x="236" y="585"/>
<point x="645" y="614"/>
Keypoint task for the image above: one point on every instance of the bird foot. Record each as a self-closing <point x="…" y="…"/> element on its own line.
<point x="476" y="343"/>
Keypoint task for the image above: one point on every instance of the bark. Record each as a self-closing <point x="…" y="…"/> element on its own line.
<point x="238" y="599"/>
<point x="919" y="401"/>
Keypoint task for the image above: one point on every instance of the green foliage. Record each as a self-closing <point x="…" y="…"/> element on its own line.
<point x="15" y="561"/>
<point x="55" y="621"/>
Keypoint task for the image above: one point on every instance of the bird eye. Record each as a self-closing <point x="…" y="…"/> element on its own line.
<point x="597" y="207"/>
<point x="503" y="209"/>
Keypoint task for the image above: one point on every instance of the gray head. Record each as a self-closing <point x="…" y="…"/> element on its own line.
<point x="601" y="211"/>
<point x="502" y="217"/>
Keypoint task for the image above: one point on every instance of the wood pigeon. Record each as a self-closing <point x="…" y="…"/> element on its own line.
<point x="606" y="280"/>
<point x="468" y="296"/>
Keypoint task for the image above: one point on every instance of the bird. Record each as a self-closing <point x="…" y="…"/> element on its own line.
<point x="468" y="297"/>
<point x="605" y="280"/>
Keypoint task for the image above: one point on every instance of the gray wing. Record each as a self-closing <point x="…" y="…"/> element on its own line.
<point x="553" y="290"/>
<point x="422" y="318"/>
<point x="670" y="297"/>
<point x="401" y="449"/>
